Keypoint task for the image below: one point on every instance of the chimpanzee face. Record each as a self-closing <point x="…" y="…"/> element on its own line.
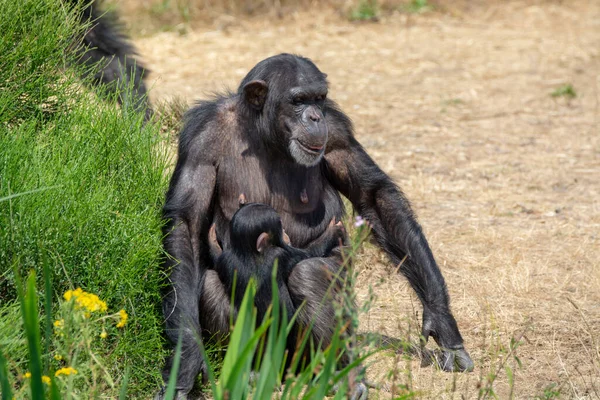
<point x="304" y="123"/>
<point x="290" y="96"/>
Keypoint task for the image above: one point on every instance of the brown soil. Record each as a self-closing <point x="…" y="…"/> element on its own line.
<point x="505" y="178"/>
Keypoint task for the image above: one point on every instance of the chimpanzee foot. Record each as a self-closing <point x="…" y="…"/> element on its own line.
<point x="360" y="391"/>
<point x="179" y="395"/>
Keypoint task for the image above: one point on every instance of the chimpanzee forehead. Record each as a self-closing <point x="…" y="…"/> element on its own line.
<point x="315" y="88"/>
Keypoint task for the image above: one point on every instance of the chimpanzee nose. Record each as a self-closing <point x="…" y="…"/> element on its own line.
<point x="314" y="117"/>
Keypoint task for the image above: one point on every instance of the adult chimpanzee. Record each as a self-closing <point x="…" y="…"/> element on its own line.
<point x="105" y="44"/>
<point x="282" y="142"/>
<point x="256" y="240"/>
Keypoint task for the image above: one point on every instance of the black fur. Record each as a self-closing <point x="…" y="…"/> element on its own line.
<point x="240" y="143"/>
<point x="244" y="259"/>
<point x="105" y="44"/>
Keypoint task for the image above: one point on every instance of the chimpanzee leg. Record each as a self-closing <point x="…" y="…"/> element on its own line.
<point x="310" y="282"/>
<point x="214" y="319"/>
<point x="214" y="307"/>
<point x="180" y="307"/>
<point x="319" y="283"/>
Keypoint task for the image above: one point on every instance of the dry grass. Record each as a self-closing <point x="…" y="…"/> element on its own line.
<point x="456" y="107"/>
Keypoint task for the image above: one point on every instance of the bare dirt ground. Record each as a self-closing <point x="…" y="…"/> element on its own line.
<point x="505" y="178"/>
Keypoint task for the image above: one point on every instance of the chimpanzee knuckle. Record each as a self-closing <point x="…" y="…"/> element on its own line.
<point x="428" y="357"/>
<point x="464" y="361"/>
<point x="446" y="361"/>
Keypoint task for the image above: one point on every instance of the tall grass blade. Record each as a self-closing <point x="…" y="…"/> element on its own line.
<point x="54" y="391"/>
<point x="29" y="311"/>
<point x="4" y="382"/>
<point x="123" y="391"/>
<point x="170" y="392"/>
<point x="12" y="196"/>
<point x="47" y="311"/>
<point x="274" y="356"/>
<point x="235" y="371"/>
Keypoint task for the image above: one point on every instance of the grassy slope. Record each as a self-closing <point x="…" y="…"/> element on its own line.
<point x="98" y="216"/>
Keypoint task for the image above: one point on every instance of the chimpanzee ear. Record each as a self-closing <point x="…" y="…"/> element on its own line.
<point x="262" y="242"/>
<point x="255" y="93"/>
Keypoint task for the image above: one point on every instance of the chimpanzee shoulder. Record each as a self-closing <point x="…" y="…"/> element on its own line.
<point x="208" y="127"/>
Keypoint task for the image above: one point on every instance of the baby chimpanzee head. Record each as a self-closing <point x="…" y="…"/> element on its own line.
<point x="256" y="227"/>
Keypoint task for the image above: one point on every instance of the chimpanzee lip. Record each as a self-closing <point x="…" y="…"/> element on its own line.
<point x="310" y="149"/>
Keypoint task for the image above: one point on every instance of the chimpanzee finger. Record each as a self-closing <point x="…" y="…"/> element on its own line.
<point x="213" y="243"/>
<point x="456" y="360"/>
<point x="286" y="238"/>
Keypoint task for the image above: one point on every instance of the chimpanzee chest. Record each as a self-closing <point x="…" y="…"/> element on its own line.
<point x="301" y="195"/>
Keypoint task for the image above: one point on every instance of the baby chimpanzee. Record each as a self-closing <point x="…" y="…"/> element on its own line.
<point x="256" y="240"/>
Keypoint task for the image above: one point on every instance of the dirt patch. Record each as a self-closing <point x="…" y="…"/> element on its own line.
<point x="505" y="178"/>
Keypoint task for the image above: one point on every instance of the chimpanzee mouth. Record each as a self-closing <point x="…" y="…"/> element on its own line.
<point x="305" y="155"/>
<point x="310" y="149"/>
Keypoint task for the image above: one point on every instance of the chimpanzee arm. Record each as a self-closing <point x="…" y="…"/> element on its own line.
<point x="333" y="237"/>
<point x="377" y="199"/>
<point x="187" y="215"/>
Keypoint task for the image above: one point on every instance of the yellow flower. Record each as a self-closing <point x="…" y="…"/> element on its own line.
<point x="58" y="357"/>
<point x="59" y="323"/>
<point x="85" y="300"/>
<point x="27" y="375"/>
<point x="46" y="379"/>
<point x="123" y="320"/>
<point x="103" y="334"/>
<point x="70" y="293"/>
<point x="65" y="371"/>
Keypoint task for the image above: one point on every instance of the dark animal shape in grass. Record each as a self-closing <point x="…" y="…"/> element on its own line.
<point x="105" y="49"/>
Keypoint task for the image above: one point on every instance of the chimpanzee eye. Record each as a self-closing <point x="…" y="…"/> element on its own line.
<point x="320" y="99"/>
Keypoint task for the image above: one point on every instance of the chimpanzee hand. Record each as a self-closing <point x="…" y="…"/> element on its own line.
<point x="336" y="231"/>
<point x="333" y="236"/>
<point x="452" y="355"/>
<point x="213" y="243"/>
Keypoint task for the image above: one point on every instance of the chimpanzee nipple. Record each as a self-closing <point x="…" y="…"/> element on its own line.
<point x="304" y="197"/>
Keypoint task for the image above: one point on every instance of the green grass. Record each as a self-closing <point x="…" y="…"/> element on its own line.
<point x="365" y="10"/>
<point x="567" y="91"/>
<point x="418" y="6"/>
<point x="81" y="184"/>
